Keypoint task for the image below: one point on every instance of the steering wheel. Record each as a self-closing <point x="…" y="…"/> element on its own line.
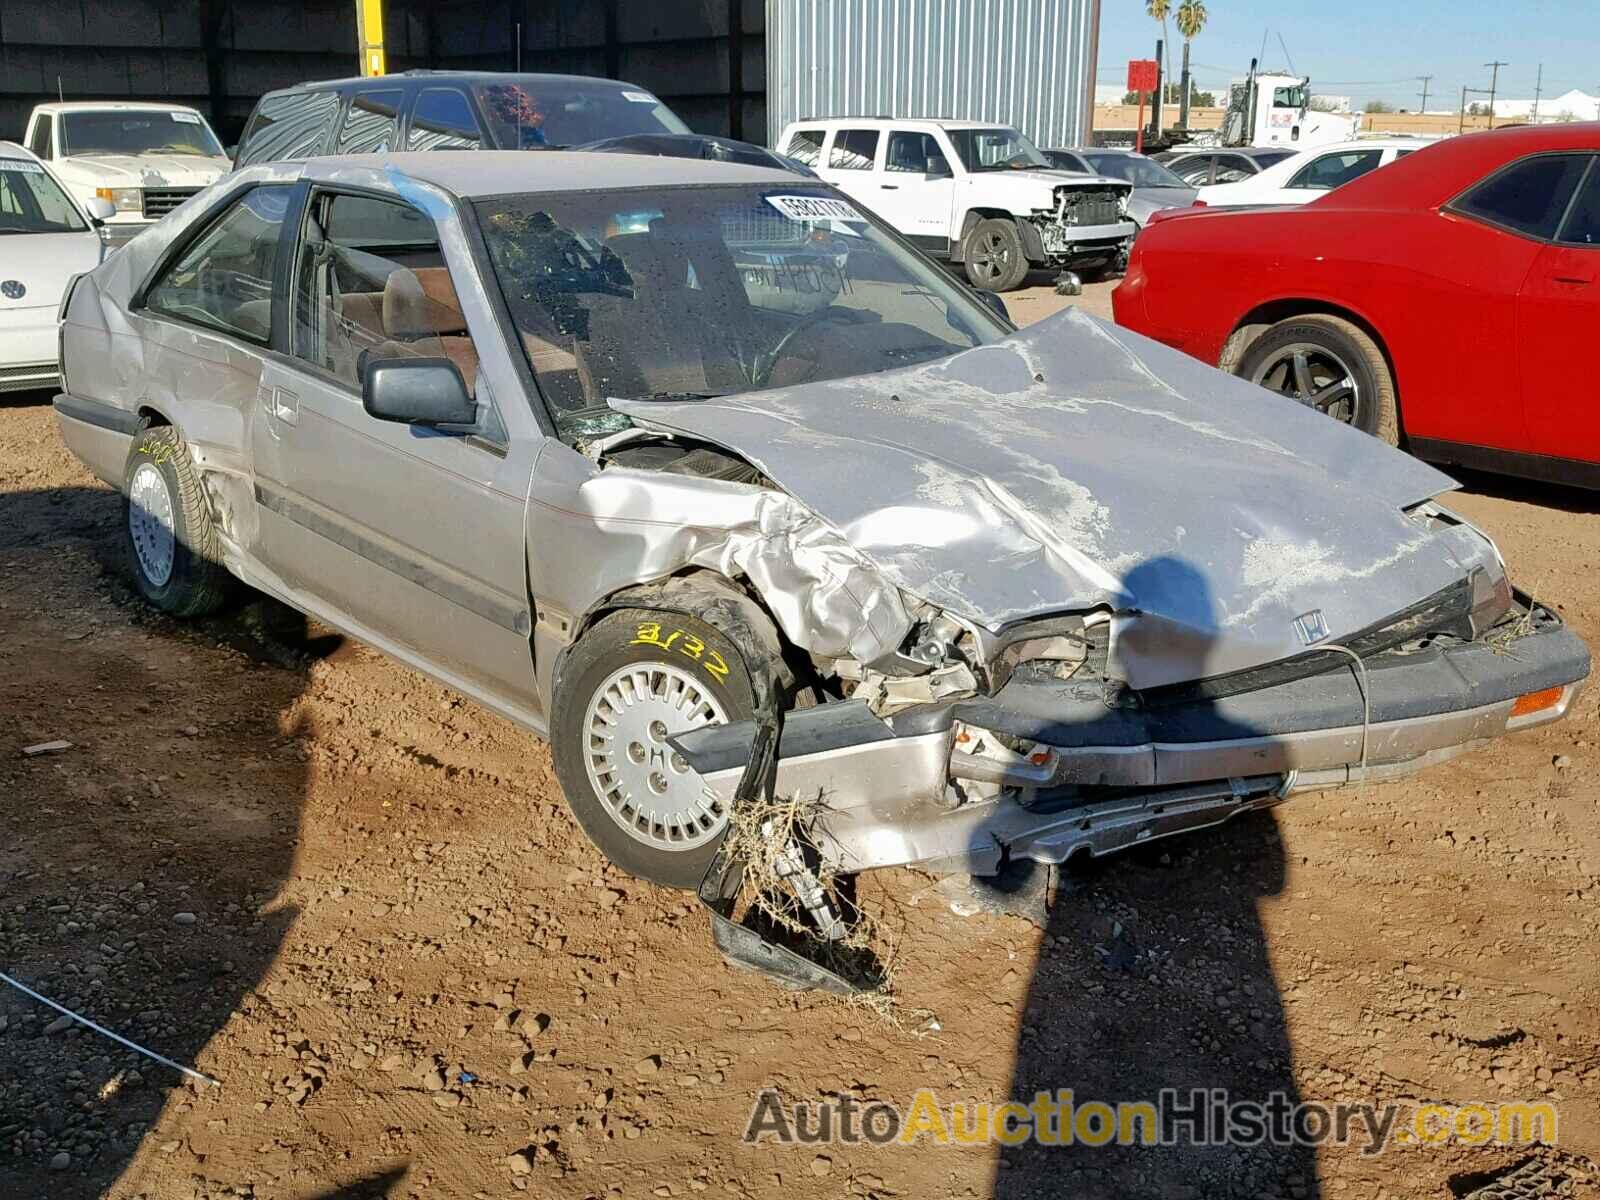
<point x="761" y="373"/>
<point x="1020" y="162"/>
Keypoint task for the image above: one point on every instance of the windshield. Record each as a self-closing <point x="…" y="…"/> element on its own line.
<point x="32" y="202"/>
<point x="1135" y="169"/>
<point x="692" y="292"/>
<point x="532" y="114"/>
<point x="996" y="150"/>
<point x="178" y="131"/>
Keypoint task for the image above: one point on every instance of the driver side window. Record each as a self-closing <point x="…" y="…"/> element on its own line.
<point x="371" y="284"/>
<point x="223" y="279"/>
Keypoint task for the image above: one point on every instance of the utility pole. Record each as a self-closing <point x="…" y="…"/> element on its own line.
<point x="1538" y="91"/>
<point x="1493" y="80"/>
<point x="1461" y="121"/>
<point x="1426" y="80"/>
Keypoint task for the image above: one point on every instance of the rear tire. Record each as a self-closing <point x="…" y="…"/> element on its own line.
<point x="993" y="256"/>
<point x="637" y="677"/>
<point x="1329" y="364"/>
<point x="172" y="542"/>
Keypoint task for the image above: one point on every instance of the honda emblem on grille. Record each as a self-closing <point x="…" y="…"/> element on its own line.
<point x="1311" y="627"/>
<point x="12" y="289"/>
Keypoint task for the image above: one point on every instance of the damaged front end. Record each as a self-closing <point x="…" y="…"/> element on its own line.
<point x="1085" y="223"/>
<point x="1054" y="598"/>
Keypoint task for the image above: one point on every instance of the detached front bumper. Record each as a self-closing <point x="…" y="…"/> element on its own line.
<point x="1046" y="770"/>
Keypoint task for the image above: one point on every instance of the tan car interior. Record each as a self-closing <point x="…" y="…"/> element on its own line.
<point x="416" y="315"/>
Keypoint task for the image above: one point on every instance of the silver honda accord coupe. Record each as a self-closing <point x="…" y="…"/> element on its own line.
<point x="703" y="474"/>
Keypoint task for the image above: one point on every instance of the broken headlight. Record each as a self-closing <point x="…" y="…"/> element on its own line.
<point x="1491" y="597"/>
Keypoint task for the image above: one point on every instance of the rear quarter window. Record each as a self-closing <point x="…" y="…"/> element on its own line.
<point x="1529" y="196"/>
<point x="288" y="125"/>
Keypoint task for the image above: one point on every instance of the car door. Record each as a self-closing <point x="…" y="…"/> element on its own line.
<point x="405" y="536"/>
<point x="1558" y="316"/>
<point x="916" y="190"/>
<point x="850" y="161"/>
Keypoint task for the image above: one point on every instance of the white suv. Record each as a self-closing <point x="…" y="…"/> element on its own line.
<point x="980" y="195"/>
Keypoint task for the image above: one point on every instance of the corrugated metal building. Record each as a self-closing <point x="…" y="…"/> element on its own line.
<point x="1027" y="63"/>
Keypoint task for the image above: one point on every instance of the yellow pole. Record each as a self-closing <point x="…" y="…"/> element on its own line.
<point x="369" y="35"/>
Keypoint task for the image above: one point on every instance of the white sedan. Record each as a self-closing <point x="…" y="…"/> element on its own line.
<point x="45" y="239"/>
<point x="1309" y="174"/>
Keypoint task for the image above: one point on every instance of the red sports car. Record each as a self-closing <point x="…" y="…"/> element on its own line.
<point x="1450" y="299"/>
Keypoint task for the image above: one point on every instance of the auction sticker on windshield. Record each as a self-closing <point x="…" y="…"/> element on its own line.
<point x="814" y="208"/>
<point x="185" y="118"/>
<point x="22" y="165"/>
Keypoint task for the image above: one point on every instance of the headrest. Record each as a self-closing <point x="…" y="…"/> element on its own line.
<point x="421" y="303"/>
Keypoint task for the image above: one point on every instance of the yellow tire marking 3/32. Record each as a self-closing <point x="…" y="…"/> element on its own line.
<point x="681" y="641"/>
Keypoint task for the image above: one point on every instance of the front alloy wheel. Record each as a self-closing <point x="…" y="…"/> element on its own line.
<point x="636" y="679"/>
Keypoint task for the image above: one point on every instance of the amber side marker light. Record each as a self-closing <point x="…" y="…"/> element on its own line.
<point x="1537" y="701"/>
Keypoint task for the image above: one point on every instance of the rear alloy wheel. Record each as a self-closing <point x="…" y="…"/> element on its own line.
<point x="636" y="679"/>
<point x="994" y="257"/>
<point x="1330" y="365"/>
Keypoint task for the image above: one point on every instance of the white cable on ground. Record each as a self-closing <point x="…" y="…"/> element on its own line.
<point x="1366" y="700"/>
<point x="113" y="1036"/>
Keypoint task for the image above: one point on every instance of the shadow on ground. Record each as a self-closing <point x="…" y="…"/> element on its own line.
<point x="139" y="866"/>
<point x="1136" y="998"/>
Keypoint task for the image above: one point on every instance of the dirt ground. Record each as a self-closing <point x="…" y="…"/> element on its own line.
<point x="359" y="902"/>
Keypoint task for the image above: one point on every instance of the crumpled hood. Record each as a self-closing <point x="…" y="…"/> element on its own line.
<point x="1076" y="465"/>
<point x="141" y="170"/>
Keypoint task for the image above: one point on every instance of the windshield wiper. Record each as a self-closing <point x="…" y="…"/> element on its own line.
<point x="669" y="397"/>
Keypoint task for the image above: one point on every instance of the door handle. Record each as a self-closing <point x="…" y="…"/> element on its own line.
<point x="285" y="406"/>
<point x="890" y="187"/>
<point x="1574" y="280"/>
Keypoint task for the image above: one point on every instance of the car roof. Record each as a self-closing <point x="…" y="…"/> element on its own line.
<point x="1440" y="171"/>
<point x="533" y="77"/>
<point x="503" y="172"/>
<point x="16" y="150"/>
<point x="916" y="123"/>
<point x="71" y="106"/>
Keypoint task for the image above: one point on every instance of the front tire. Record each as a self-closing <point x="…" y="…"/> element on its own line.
<point x="1331" y="365"/>
<point x="993" y="256"/>
<point x="636" y="678"/>
<point x="172" y="542"/>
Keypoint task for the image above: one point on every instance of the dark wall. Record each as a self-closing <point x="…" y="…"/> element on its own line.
<point x="705" y="58"/>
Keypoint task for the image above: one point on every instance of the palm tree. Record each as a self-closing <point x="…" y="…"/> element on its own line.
<point x="1159" y="10"/>
<point x="1191" y="20"/>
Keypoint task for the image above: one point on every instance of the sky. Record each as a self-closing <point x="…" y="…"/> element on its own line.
<point x="1374" y="49"/>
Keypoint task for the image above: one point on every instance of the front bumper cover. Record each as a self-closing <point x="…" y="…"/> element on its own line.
<point x="1103" y="775"/>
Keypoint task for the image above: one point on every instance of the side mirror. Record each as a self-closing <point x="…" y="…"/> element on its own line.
<point x="100" y="209"/>
<point x="938" y="167"/>
<point x="419" y="391"/>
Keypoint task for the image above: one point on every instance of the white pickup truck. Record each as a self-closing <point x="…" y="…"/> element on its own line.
<point x="980" y="195"/>
<point x="145" y="158"/>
